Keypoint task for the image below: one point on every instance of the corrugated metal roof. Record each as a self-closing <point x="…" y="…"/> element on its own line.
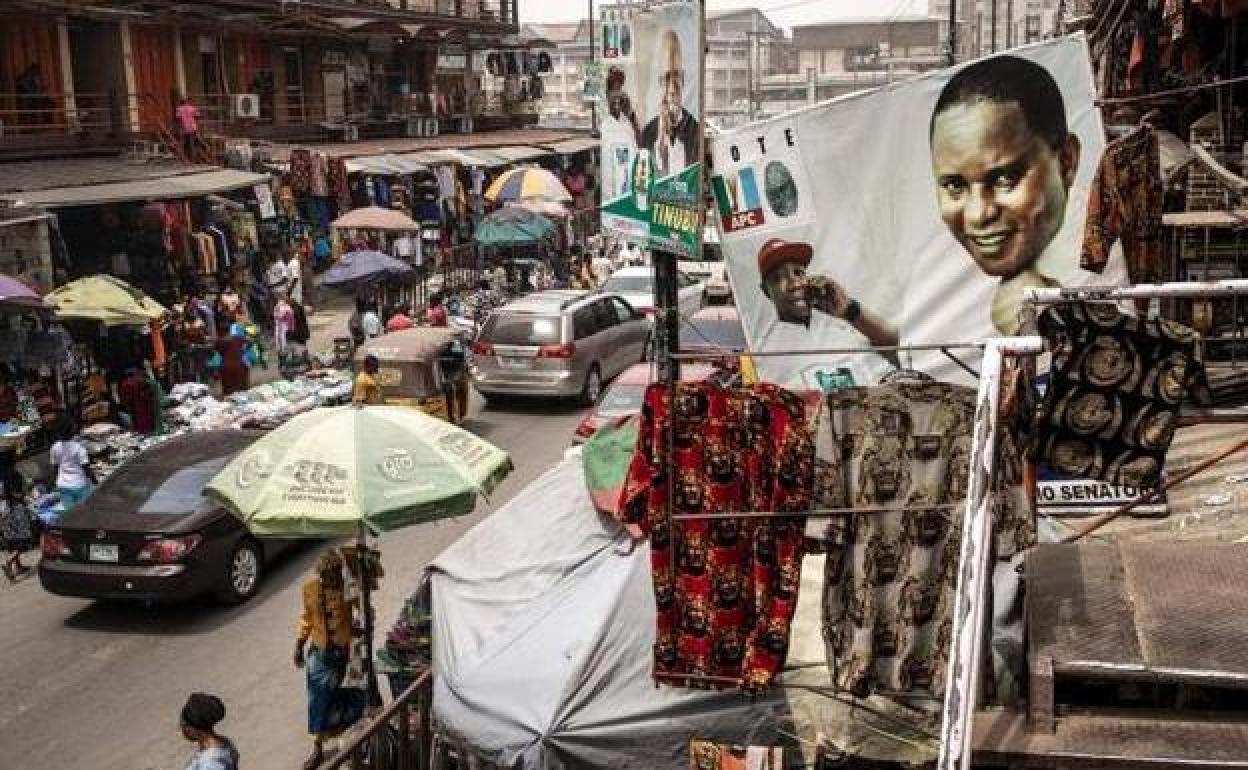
<point x="573" y="146"/>
<point x="519" y="153"/>
<point x="25" y="176"/>
<point x="167" y="188"/>
<point x="385" y="164"/>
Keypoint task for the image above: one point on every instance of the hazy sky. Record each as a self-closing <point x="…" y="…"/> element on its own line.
<point x="785" y="13"/>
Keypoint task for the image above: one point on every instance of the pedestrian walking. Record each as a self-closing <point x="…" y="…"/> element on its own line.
<point x="398" y="320"/>
<point x="16" y="534"/>
<point x="367" y="390"/>
<point x="74" y="476"/>
<point x="435" y="314"/>
<point x="322" y="646"/>
<point x="188" y="125"/>
<point x="200" y="717"/>
<point x="370" y="323"/>
<point x="294" y="277"/>
<point x="232" y="366"/>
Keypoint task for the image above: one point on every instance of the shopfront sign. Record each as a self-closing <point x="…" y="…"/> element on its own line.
<point x="651" y="121"/>
<point x="453" y="61"/>
<point x="913" y="214"/>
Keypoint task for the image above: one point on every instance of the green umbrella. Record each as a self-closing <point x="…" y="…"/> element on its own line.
<point x="333" y="472"/>
<point x="513" y="225"/>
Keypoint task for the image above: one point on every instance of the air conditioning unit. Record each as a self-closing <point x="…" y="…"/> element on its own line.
<point x="247" y="106"/>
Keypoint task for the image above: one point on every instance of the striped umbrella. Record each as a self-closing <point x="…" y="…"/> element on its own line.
<point x="528" y="183"/>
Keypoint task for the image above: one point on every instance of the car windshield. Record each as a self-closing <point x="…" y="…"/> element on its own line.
<point x="505" y="329"/>
<point x="628" y="283"/>
<point x="621" y="399"/>
<point x="712" y="333"/>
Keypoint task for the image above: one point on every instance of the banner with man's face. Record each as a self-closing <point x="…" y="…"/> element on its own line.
<point x="913" y="214"/>
<point x="650" y="119"/>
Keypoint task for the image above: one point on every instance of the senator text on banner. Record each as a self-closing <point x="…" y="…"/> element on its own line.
<point x="651" y="132"/>
<point x="913" y="214"/>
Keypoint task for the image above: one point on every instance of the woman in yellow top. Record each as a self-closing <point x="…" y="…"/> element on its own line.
<point x="367" y="389"/>
<point x="325" y="629"/>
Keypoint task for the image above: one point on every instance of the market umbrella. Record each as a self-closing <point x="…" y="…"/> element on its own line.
<point x="376" y="218"/>
<point x="14" y="293"/>
<point x="512" y="225"/>
<point x="542" y="206"/>
<point x="527" y="183"/>
<point x="350" y="470"/>
<point x="362" y="267"/>
<point x="338" y="471"/>
<point x="103" y="298"/>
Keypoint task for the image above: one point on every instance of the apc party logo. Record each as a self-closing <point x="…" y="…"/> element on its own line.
<point x="736" y="197"/>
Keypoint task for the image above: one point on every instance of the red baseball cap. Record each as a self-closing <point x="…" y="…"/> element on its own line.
<point x="776" y="252"/>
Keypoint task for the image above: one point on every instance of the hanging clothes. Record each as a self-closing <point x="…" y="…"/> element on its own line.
<point x="301" y="171"/>
<point x="1125" y="203"/>
<point x="890" y="573"/>
<point x="1114" y="392"/>
<point x="319" y="183"/>
<point x="339" y="185"/>
<point x="708" y="755"/>
<point x="725" y="603"/>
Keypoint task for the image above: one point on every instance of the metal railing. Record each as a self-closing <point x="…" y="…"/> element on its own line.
<point x="368" y="747"/>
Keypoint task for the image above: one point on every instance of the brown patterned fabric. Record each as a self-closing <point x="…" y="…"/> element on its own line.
<point x="890" y="574"/>
<point x="339" y="185"/>
<point x="1125" y="203"/>
<point x="725" y="605"/>
<point x="301" y="171"/>
<point x="706" y="755"/>
<point x="1114" y="392"/>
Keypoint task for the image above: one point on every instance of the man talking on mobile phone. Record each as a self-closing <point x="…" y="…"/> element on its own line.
<point x="815" y="312"/>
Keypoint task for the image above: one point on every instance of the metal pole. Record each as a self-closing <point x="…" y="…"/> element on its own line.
<point x="953" y="32"/>
<point x="993" y="33"/>
<point x="593" y="57"/>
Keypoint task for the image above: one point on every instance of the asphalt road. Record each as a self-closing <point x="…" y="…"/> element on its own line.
<point x="98" y="686"/>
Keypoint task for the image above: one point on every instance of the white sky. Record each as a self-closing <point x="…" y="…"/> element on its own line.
<point x="785" y="13"/>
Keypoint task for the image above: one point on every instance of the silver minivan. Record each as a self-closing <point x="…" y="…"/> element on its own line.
<point x="557" y="343"/>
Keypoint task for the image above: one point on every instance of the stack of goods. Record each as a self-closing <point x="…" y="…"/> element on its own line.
<point x="408" y="650"/>
<point x="194" y="408"/>
<point x="110" y="447"/>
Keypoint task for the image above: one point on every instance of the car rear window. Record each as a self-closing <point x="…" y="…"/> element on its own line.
<point x="628" y="283"/>
<point x="149" y="488"/>
<point x="621" y="399"/>
<point x="503" y="329"/>
<point x="716" y="333"/>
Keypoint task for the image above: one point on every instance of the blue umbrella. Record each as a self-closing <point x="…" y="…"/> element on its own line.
<point x="364" y="267"/>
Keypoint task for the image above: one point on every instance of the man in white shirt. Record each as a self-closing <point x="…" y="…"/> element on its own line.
<point x="673" y="136"/>
<point x="276" y="277"/>
<point x="813" y="312"/>
<point x="370" y="322"/>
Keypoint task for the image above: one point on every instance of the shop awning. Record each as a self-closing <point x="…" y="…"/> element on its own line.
<point x="472" y="158"/>
<point x="573" y="146"/>
<point x="385" y="164"/>
<point x="518" y="153"/>
<point x="163" y="188"/>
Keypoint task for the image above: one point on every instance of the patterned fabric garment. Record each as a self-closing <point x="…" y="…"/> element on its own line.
<point x="1114" y="392"/>
<point x="319" y="184"/>
<point x="725" y="605"/>
<point x="339" y="184"/>
<point x="1125" y="203"/>
<point x="705" y="755"/>
<point x="301" y="171"/>
<point x="890" y="574"/>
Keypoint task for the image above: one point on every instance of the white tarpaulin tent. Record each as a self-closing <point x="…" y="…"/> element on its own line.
<point x="543" y="629"/>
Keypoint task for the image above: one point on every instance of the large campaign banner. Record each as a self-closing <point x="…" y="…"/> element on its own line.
<point x="650" y="119"/>
<point x="913" y="214"/>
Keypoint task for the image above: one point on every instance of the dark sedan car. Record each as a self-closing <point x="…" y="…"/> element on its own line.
<point x="149" y="533"/>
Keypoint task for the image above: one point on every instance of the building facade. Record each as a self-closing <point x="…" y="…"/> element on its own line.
<point x="84" y="76"/>
<point x="986" y="26"/>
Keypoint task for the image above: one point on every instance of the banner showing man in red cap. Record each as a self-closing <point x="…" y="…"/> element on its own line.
<point x="814" y="311"/>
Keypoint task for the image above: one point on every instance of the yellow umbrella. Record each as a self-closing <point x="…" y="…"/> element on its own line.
<point x="105" y="299"/>
<point x="528" y="183"/>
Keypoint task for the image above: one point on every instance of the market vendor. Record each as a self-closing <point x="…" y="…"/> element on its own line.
<point x="367" y="389"/>
<point x="8" y="397"/>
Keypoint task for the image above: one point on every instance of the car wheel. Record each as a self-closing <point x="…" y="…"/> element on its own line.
<point x="593" y="387"/>
<point x="242" y="573"/>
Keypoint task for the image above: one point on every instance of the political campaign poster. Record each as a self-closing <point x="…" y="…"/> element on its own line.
<point x="915" y="214"/>
<point x="651" y="124"/>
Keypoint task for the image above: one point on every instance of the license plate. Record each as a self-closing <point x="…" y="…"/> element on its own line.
<point x="102" y="553"/>
<point x="514" y="362"/>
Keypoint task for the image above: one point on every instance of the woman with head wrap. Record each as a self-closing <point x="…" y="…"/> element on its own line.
<point x="325" y="630"/>
<point x="200" y="716"/>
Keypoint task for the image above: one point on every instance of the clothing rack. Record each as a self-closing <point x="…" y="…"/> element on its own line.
<point x="811" y="512"/>
<point x="1172" y="290"/>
